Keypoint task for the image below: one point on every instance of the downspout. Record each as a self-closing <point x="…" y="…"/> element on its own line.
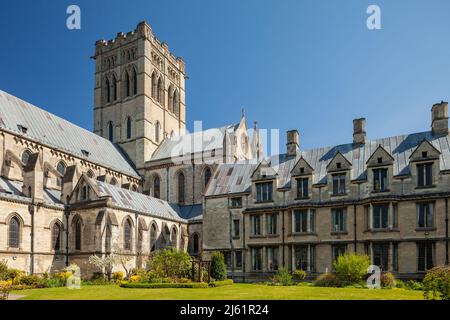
<point x="244" y="255"/>
<point x="354" y="229"/>
<point x="31" y="211"/>
<point x="446" y="232"/>
<point x="193" y="181"/>
<point x="167" y="184"/>
<point x="283" y="244"/>
<point x="230" y="223"/>
<point x="66" y="213"/>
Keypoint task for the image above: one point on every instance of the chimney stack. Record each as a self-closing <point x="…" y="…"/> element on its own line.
<point x="292" y="143"/>
<point x="439" y="118"/>
<point x="359" y="131"/>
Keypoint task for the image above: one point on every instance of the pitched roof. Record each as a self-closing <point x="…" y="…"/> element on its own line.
<point x="44" y="127"/>
<point x="127" y="199"/>
<point x="400" y="147"/>
<point x="198" y="141"/>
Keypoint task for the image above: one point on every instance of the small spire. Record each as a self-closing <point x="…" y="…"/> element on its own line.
<point x="256" y="125"/>
<point x="243" y="113"/>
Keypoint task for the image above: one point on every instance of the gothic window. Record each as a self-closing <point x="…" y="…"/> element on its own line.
<point x="110" y="131"/>
<point x="174" y="238"/>
<point x="139" y="238"/>
<point x="170" y="93"/>
<point x="181" y="185"/>
<point x="127" y="84"/>
<point x="14" y="233"/>
<point x="176" y="103"/>
<point x="78" y="233"/>
<point x="206" y="177"/>
<point x="153" y="237"/>
<point x="108" y="90"/>
<point x="134" y="81"/>
<point x="114" y="88"/>
<point x="127" y="234"/>
<point x="56" y="237"/>
<point x="157" y="125"/>
<point x="160" y="93"/>
<point x="156" y="187"/>
<point x="129" y="128"/>
<point x="61" y="167"/>
<point x="26" y="156"/>
<point x="108" y="236"/>
<point x="154" y="85"/>
<point x="195" y="244"/>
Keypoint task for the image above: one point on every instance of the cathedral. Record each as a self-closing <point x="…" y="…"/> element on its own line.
<point x="140" y="182"/>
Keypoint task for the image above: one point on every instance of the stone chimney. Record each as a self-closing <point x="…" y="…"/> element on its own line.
<point x="439" y="118"/>
<point x="359" y="131"/>
<point x="292" y="145"/>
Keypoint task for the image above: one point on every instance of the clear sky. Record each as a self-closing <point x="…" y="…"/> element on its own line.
<point x="311" y="65"/>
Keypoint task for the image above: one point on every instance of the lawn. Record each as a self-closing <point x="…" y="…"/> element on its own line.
<point x="234" y="292"/>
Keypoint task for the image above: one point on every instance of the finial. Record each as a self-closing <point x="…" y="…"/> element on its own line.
<point x="256" y="125"/>
<point x="243" y="113"/>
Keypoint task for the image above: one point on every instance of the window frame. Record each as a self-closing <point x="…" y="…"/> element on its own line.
<point x="264" y="191"/>
<point x="339" y="184"/>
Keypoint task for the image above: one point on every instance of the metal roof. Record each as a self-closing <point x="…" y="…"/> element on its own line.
<point x="198" y="141"/>
<point x="400" y="147"/>
<point x="189" y="212"/>
<point x="127" y="199"/>
<point x="30" y="121"/>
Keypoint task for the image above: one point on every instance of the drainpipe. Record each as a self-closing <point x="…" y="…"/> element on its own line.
<point x="66" y="213"/>
<point x="244" y="251"/>
<point x="283" y="230"/>
<point x="230" y="214"/>
<point x="31" y="211"/>
<point x="354" y="228"/>
<point x="167" y="184"/>
<point x="446" y="232"/>
<point x="193" y="181"/>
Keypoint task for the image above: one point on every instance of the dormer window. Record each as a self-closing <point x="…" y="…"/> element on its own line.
<point x="380" y="180"/>
<point x="302" y="170"/>
<point x="264" y="191"/>
<point x="22" y="128"/>
<point x="339" y="184"/>
<point x="302" y="188"/>
<point x="85" y="152"/>
<point x="424" y="154"/>
<point x="425" y="175"/>
<point x="338" y="165"/>
<point x="380" y="160"/>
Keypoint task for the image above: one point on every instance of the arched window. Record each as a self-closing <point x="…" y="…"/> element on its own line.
<point x="176" y="103"/>
<point x="128" y="127"/>
<point x="154" y="85"/>
<point x="139" y="238"/>
<point x="160" y="93"/>
<point x="157" y="125"/>
<point x="114" y="88"/>
<point x="153" y="237"/>
<point x="156" y="187"/>
<point x="167" y="236"/>
<point x="174" y="238"/>
<point x="56" y="237"/>
<point x="181" y="182"/>
<point x="110" y="131"/>
<point x="14" y="233"/>
<point x="108" y="90"/>
<point x="84" y="193"/>
<point x="78" y="227"/>
<point x="61" y="168"/>
<point x="134" y="81"/>
<point x="127" y="84"/>
<point x="26" y="156"/>
<point x="108" y="235"/>
<point x="170" y="93"/>
<point x="206" y="177"/>
<point x="127" y="234"/>
<point x="195" y="243"/>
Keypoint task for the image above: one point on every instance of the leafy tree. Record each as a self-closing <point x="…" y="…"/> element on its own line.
<point x="218" y="266"/>
<point x="436" y="283"/>
<point x="171" y="263"/>
<point x="283" y="277"/>
<point x="351" y="268"/>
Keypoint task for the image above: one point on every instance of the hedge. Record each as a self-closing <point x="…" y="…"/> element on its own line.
<point x="222" y="283"/>
<point x="138" y="285"/>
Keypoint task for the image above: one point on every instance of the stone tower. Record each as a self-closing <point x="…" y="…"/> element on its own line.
<point x="139" y="94"/>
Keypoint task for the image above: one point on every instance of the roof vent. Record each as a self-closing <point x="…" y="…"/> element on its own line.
<point x="22" y="128"/>
<point x="85" y="152"/>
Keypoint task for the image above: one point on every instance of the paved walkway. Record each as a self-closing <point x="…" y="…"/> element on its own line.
<point x="15" y="296"/>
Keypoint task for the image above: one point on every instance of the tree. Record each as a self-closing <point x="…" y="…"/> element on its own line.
<point x="218" y="266"/>
<point x="170" y="263"/>
<point x="351" y="268"/>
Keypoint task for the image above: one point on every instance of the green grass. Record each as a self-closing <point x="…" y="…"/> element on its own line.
<point x="233" y="292"/>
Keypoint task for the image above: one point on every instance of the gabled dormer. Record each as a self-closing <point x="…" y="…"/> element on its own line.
<point x="85" y="190"/>
<point x="301" y="179"/>
<point x="380" y="170"/>
<point x="338" y="177"/>
<point x="264" y="182"/>
<point x="425" y="165"/>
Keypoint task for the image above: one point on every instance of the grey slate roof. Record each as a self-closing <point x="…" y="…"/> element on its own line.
<point x="60" y="134"/>
<point x="189" y="212"/>
<point x="127" y="199"/>
<point x="198" y="141"/>
<point x="400" y="147"/>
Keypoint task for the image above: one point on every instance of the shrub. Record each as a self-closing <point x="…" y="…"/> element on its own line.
<point x="5" y="288"/>
<point x="117" y="276"/>
<point x="400" y="284"/>
<point x="227" y="282"/>
<point x="135" y="279"/>
<point x="414" y="285"/>
<point x="125" y="284"/>
<point x="283" y="277"/>
<point x="4" y="270"/>
<point x="218" y="266"/>
<point x="387" y="280"/>
<point x="299" y="274"/>
<point x="351" y="268"/>
<point x="15" y="275"/>
<point x="31" y="280"/>
<point x="171" y="263"/>
<point x="436" y="283"/>
<point x="327" y="280"/>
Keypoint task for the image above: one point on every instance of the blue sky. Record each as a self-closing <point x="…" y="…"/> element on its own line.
<point x="311" y="65"/>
